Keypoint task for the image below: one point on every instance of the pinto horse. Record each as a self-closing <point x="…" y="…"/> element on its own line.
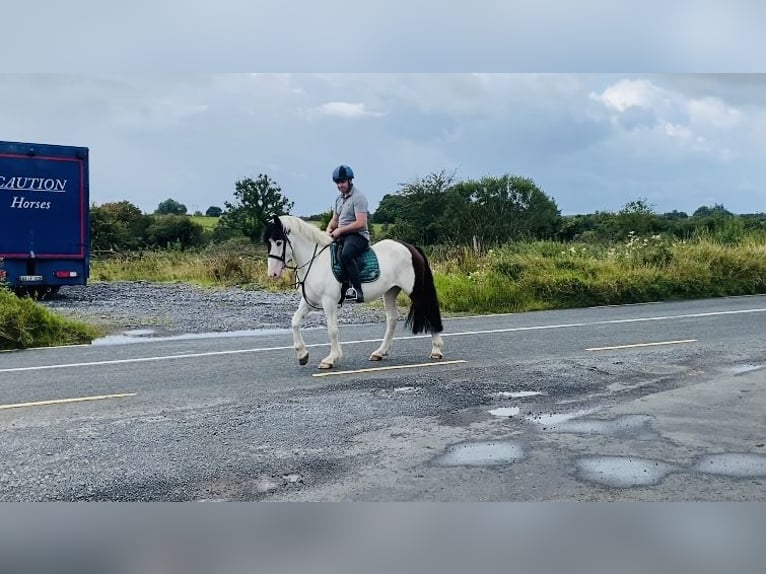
<point x="304" y="248"/>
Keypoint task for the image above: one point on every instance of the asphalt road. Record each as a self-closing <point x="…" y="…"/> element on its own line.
<point x="661" y="401"/>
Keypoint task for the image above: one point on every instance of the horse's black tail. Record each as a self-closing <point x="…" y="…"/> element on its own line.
<point x="424" y="314"/>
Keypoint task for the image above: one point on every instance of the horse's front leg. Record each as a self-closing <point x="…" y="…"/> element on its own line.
<point x="437" y="346"/>
<point x="298" y="343"/>
<point x="331" y="315"/>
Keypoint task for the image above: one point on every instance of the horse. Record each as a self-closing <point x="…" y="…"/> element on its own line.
<point x="298" y="245"/>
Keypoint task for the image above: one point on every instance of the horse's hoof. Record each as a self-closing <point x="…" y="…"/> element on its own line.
<point x="376" y="357"/>
<point x="303" y="360"/>
<point x="324" y="365"/>
<point x="437" y="356"/>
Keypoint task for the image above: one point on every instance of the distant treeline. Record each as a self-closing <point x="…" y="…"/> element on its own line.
<point x="434" y="210"/>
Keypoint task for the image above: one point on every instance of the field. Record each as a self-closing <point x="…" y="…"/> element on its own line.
<point x="205" y="221"/>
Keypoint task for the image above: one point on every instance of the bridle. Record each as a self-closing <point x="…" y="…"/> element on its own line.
<point x="310" y="263"/>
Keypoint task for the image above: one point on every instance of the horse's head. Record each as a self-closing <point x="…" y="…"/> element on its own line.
<point x="279" y="247"/>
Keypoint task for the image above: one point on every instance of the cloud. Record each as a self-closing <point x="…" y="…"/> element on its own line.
<point x="627" y="94"/>
<point x="713" y="112"/>
<point x="592" y="141"/>
<point x="667" y="123"/>
<point x="348" y="110"/>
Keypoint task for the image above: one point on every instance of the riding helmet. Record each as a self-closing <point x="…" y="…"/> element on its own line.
<point x="342" y="173"/>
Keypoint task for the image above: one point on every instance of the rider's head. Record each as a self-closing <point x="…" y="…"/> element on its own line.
<point x="343" y="176"/>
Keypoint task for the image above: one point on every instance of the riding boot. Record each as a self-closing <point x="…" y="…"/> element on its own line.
<point x="355" y="292"/>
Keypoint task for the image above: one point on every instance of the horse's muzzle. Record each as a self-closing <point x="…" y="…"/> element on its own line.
<point x="275" y="269"/>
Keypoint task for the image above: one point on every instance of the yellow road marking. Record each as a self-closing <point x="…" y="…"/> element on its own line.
<point x="389" y="368"/>
<point x="64" y="401"/>
<point x="642" y="345"/>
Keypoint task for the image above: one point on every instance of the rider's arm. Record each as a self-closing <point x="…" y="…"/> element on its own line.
<point x="333" y="222"/>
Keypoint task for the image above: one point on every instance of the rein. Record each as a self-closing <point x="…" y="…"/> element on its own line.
<point x="310" y="263"/>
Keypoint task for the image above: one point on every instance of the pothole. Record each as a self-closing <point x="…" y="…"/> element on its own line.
<point x="488" y="453"/>
<point x="734" y="465"/>
<point x="552" y="421"/>
<point x="505" y="412"/>
<point x="514" y="394"/>
<point x="625" y="426"/>
<point x="622" y="471"/>
<point x="741" y="369"/>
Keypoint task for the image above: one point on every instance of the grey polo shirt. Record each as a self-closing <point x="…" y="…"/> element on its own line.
<point x="346" y="208"/>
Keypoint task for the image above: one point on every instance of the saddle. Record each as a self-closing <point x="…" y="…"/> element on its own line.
<point x="367" y="261"/>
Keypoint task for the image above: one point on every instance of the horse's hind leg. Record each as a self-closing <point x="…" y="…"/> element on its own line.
<point x="392" y="316"/>
<point x="299" y="344"/>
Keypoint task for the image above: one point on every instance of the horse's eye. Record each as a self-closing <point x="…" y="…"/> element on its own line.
<point x="279" y="243"/>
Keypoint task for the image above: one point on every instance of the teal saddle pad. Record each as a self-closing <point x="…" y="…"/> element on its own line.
<point x="369" y="269"/>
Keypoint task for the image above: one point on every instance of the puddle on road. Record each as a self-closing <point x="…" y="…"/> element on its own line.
<point x="625" y="426"/>
<point x="514" y="394"/>
<point x="489" y="453"/>
<point x="734" y="465"/>
<point x="505" y="412"/>
<point x="139" y="333"/>
<point x="552" y="421"/>
<point x="145" y="336"/>
<point x="622" y="471"/>
<point x="741" y="369"/>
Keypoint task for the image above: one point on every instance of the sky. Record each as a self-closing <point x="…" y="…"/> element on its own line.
<point x="170" y="107"/>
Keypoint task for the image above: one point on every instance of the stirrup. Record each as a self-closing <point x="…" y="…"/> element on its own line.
<point x="353" y="295"/>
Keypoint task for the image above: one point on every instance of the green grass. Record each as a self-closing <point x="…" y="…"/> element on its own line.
<point x="549" y="275"/>
<point x="24" y="323"/>
<point x="236" y="262"/>
<point x="206" y="222"/>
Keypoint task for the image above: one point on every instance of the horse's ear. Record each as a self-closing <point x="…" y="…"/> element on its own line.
<point x="276" y="219"/>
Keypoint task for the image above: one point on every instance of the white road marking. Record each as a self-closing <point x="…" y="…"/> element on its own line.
<point x="377" y="340"/>
<point x="388" y="368"/>
<point x="65" y="401"/>
<point x="609" y="322"/>
<point x="634" y="345"/>
<point x="144" y="359"/>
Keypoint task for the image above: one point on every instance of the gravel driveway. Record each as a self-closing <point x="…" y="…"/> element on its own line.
<point x="179" y="308"/>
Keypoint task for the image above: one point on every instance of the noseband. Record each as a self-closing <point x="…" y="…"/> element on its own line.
<point x="284" y="253"/>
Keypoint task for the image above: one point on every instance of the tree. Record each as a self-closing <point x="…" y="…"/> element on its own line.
<point x="170" y="207"/>
<point x="494" y="210"/>
<point x="324" y="218"/>
<point x="258" y="201"/>
<point x="706" y="211"/>
<point x="392" y="207"/>
<point x="636" y="216"/>
<point x="214" y="211"/>
<point x="417" y="210"/>
<point x="675" y="215"/>
<point x="174" y="231"/>
<point x="117" y="225"/>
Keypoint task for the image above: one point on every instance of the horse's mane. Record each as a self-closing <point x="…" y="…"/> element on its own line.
<point x="304" y="229"/>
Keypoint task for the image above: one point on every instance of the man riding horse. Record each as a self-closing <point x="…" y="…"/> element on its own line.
<point x="349" y="227"/>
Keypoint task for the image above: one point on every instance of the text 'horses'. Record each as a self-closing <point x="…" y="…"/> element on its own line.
<point x="299" y="245"/>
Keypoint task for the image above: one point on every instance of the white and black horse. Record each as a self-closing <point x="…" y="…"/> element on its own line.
<point x="298" y="245"/>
